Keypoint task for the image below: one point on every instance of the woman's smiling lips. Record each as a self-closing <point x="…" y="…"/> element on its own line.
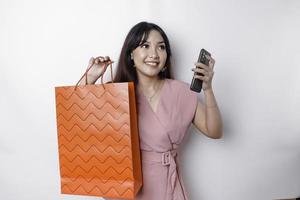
<point x="152" y="63"/>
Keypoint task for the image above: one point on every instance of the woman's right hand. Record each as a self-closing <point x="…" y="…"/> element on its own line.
<point x="97" y="69"/>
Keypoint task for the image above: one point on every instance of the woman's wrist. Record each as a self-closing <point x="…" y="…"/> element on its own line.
<point x="208" y="90"/>
<point x="210" y="101"/>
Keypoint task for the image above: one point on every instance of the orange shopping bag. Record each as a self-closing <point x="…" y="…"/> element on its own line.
<point x="98" y="142"/>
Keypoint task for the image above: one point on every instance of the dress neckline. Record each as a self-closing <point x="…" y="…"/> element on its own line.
<point x="161" y="92"/>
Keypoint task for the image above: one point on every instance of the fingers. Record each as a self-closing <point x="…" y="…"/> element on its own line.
<point x="100" y="59"/>
<point x="200" y="71"/>
<point x="106" y="58"/>
<point x="201" y="65"/>
<point x="203" y="72"/>
<point x="91" y="61"/>
<point x="211" y="62"/>
<point x="203" y="78"/>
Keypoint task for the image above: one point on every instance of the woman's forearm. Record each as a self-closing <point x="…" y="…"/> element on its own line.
<point x="213" y="115"/>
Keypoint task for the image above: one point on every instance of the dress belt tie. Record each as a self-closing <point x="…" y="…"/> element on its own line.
<point x="166" y="159"/>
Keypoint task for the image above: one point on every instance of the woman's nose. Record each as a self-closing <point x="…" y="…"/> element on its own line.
<point x="153" y="53"/>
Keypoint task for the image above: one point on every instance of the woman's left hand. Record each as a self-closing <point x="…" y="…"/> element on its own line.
<point x="206" y="71"/>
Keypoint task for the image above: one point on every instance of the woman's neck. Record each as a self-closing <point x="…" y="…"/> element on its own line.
<point x="149" y="84"/>
<point x="150" y="88"/>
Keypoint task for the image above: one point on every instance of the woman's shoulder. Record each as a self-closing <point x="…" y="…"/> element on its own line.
<point x="185" y="98"/>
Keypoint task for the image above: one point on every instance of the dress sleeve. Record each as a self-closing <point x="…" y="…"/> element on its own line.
<point x="187" y="103"/>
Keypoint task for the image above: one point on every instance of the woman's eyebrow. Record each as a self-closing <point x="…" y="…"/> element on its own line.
<point x="157" y="42"/>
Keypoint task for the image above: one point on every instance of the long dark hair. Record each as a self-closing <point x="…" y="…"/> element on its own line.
<point x="137" y="36"/>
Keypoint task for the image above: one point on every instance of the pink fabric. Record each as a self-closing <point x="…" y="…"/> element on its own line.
<point x="161" y="133"/>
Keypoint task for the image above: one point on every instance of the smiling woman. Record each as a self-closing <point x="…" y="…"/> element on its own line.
<point x="142" y="40"/>
<point x="150" y="57"/>
<point x="166" y="108"/>
<point x="149" y="60"/>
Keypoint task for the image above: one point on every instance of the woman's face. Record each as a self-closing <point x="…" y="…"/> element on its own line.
<point x="150" y="57"/>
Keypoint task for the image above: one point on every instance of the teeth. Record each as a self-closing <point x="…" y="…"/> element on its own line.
<point x="152" y="63"/>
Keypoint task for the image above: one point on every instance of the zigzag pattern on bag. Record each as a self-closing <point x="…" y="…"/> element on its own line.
<point x="94" y="140"/>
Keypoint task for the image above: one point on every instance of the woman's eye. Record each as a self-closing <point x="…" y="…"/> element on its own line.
<point x="144" y="45"/>
<point x="162" y="47"/>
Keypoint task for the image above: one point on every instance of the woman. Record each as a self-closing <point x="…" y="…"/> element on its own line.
<point x="166" y="107"/>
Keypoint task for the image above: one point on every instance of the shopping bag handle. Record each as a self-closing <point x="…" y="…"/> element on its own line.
<point x="107" y="63"/>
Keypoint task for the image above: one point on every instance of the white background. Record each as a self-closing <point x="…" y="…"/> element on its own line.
<point x="44" y="44"/>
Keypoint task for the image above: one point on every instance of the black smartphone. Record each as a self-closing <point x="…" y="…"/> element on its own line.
<point x="196" y="84"/>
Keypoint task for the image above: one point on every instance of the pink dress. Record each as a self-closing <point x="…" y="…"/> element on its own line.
<point x="161" y="133"/>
